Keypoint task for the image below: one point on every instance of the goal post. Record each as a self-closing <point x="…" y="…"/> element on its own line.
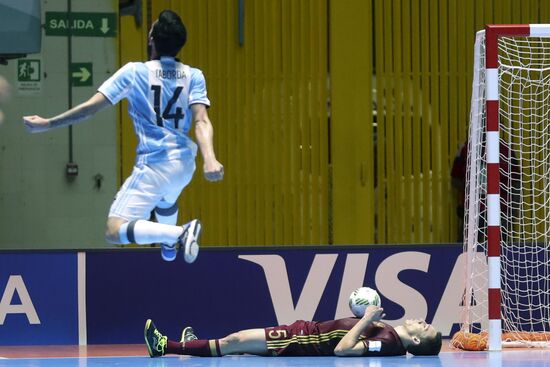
<point x="507" y="192"/>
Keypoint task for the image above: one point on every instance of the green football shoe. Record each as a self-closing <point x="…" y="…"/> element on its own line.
<point x="156" y="342"/>
<point x="188" y="334"/>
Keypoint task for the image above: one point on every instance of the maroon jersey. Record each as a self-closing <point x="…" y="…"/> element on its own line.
<point x="312" y="338"/>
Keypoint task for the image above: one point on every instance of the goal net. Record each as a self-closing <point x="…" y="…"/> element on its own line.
<point x="507" y="195"/>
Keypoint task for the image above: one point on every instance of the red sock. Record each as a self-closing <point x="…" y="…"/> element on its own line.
<point x="202" y="348"/>
<point x="173" y="347"/>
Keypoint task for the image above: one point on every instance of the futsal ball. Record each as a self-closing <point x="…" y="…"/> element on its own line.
<point x="361" y="298"/>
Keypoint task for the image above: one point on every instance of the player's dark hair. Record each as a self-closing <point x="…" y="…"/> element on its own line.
<point x="428" y="347"/>
<point x="169" y="34"/>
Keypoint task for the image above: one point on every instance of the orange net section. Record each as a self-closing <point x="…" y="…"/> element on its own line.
<point x="478" y="341"/>
<point x="469" y="341"/>
<point x="525" y="337"/>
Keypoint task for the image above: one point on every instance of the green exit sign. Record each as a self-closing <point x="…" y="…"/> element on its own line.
<point x="81" y="74"/>
<point x="81" y="24"/>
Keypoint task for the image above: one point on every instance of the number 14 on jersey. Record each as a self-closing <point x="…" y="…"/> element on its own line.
<point x="166" y="114"/>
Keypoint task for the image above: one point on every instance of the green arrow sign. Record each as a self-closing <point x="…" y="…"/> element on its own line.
<point x="81" y="24"/>
<point x="81" y="74"/>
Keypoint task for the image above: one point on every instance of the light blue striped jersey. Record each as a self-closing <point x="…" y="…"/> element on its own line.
<point x="159" y="93"/>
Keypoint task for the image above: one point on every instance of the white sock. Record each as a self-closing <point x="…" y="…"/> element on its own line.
<point x="167" y="214"/>
<point x="144" y="232"/>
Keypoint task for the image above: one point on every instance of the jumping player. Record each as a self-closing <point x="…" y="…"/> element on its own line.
<point x="164" y="97"/>
<point x="367" y="336"/>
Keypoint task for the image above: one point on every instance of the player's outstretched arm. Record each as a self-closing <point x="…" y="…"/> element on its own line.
<point x="204" y="132"/>
<point x="350" y="345"/>
<point x="37" y="124"/>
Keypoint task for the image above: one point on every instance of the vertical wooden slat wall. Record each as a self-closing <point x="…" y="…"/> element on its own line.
<point x="423" y="67"/>
<point x="269" y="111"/>
<point x="352" y="166"/>
<point x="389" y="174"/>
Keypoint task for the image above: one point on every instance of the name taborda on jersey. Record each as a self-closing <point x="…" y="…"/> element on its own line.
<point x="170" y="74"/>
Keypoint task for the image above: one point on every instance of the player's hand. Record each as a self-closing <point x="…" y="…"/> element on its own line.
<point x="374" y="313"/>
<point x="213" y="170"/>
<point x="36" y="124"/>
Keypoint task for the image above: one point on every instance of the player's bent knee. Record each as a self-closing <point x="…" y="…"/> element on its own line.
<point x="232" y="339"/>
<point x="111" y="236"/>
<point x="112" y="230"/>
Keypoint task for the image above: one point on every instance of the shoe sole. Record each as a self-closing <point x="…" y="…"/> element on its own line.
<point x="191" y="247"/>
<point x="147" y="325"/>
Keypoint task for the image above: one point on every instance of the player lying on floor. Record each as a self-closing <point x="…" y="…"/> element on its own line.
<point x="366" y="336"/>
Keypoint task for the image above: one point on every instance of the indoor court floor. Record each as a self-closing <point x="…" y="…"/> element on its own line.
<point x="136" y="356"/>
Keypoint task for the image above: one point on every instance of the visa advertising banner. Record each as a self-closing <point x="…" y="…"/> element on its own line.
<point x="38" y="298"/>
<point x="227" y="290"/>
